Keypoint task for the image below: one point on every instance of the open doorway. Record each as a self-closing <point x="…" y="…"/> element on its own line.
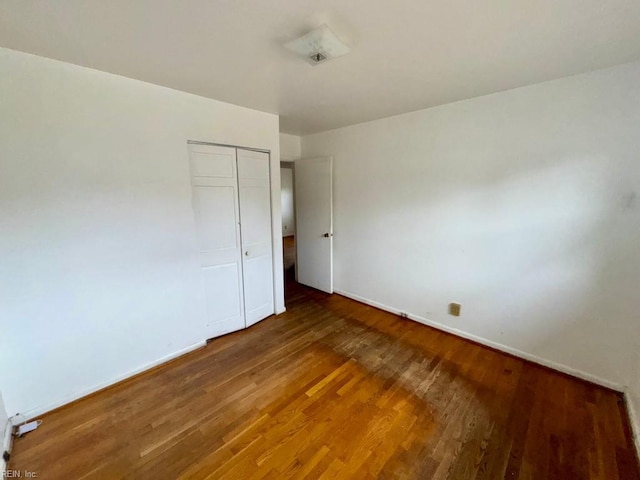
<point x="307" y="222"/>
<point x="287" y="199"/>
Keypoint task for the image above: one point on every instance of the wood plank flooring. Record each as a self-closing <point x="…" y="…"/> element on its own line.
<point x="288" y="251"/>
<point x="336" y="389"/>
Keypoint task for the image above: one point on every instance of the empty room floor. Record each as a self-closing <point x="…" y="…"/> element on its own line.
<point x="336" y="389"/>
<point x="289" y="251"/>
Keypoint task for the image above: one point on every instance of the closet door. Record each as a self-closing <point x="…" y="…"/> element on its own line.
<point x="215" y="202"/>
<point x="257" y="253"/>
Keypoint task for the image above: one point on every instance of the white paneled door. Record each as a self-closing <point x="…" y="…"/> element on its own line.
<point x="257" y="253"/>
<point x="314" y="222"/>
<point x="232" y="206"/>
<point x="214" y="181"/>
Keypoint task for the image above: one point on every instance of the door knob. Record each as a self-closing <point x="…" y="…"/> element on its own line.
<point x="327" y="235"/>
<point x="246" y="254"/>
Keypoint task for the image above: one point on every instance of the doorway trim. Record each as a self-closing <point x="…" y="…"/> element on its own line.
<point x="262" y="150"/>
<point x="290" y="164"/>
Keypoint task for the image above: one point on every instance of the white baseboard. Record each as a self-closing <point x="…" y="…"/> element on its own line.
<point x="36" y="412"/>
<point x="483" y="341"/>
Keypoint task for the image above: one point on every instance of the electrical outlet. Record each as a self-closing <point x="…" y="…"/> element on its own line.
<point x="454" y="309"/>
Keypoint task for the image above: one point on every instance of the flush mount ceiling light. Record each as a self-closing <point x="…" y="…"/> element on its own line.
<point x="318" y="46"/>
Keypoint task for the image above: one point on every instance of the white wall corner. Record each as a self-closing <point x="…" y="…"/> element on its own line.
<point x="290" y="147"/>
<point x="6" y="446"/>
<point x="6" y="428"/>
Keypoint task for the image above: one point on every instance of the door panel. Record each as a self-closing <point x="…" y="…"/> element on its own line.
<point x="314" y="223"/>
<point x="217" y="214"/>
<point x="224" y="298"/>
<point x="258" y="285"/>
<point x="256" y="215"/>
<point x="206" y="162"/>
<point x="253" y="165"/>
<point x="216" y="219"/>
<point x="255" y="212"/>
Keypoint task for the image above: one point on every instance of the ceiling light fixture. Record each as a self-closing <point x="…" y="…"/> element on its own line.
<point x="318" y="46"/>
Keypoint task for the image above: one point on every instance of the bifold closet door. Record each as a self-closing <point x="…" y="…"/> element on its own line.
<point x="214" y="183"/>
<point x="255" y="219"/>
<point x="232" y="205"/>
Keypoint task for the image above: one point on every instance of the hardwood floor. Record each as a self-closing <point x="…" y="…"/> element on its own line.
<point x="289" y="251"/>
<point x="337" y="389"/>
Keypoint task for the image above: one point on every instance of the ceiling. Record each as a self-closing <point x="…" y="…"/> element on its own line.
<point x="406" y="54"/>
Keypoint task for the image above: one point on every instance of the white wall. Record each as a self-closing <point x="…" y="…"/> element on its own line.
<point x="286" y="198"/>
<point x="290" y="146"/>
<point x="100" y="274"/>
<point x="524" y="206"/>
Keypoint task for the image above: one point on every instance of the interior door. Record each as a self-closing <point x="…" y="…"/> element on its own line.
<point x="257" y="251"/>
<point x="215" y="203"/>
<point x="314" y="222"/>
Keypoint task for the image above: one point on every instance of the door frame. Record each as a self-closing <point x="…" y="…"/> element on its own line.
<point x="273" y="250"/>
<point x="290" y="164"/>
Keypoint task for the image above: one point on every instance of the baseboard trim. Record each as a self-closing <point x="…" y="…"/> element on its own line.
<point x="39" y="411"/>
<point x="491" y="344"/>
